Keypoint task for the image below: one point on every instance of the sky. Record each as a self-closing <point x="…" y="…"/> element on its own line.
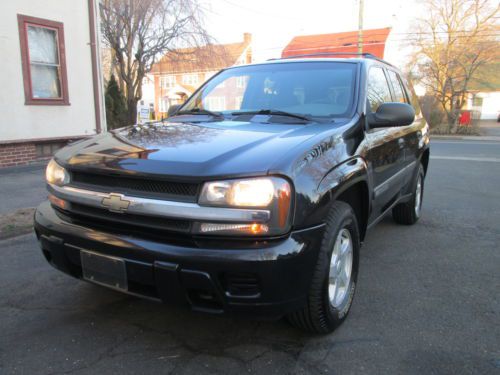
<point x="274" y="23"/>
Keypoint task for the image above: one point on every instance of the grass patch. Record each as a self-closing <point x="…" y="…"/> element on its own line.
<point x="16" y="223"/>
<point x="443" y="129"/>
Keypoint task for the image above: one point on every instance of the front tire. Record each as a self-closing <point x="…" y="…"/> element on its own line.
<point x="334" y="280"/>
<point x="409" y="212"/>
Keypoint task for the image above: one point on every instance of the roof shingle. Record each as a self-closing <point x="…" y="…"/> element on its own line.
<point x="373" y="42"/>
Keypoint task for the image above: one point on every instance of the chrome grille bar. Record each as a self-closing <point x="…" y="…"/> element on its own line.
<point x="162" y="208"/>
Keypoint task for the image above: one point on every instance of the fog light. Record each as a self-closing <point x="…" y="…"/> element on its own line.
<point x="251" y="228"/>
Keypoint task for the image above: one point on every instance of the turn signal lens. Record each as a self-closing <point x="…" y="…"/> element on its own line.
<point x="58" y="202"/>
<point x="215" y="228"/>
<point x="55" y="174"/>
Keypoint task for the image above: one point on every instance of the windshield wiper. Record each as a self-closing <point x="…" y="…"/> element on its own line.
<point x="272" y="112"/>
<point x="200" y="111"/>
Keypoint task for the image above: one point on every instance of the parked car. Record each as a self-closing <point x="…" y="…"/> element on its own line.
<point x="254" y="197"/>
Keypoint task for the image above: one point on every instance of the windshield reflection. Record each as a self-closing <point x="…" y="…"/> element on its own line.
<point x="313" y="89"/>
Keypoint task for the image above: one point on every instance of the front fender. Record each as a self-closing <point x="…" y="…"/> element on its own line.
<point x="334" y="183"/>
<point x="343" y="176"/>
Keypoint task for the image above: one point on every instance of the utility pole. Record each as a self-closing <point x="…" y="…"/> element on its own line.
<point x="360" y="25"/>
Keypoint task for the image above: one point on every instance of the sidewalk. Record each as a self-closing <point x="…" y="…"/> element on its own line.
<point x="489" y="128"/>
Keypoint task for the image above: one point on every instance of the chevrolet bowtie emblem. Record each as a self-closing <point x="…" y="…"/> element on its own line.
<point x="115" y="203"/>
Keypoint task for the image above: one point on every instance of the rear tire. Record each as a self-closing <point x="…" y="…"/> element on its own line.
<point x="335" y="275"/>
<point x="409" y="212"/>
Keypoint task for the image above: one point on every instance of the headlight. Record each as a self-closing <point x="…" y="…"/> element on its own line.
<point x="258" y="192"/>
<point x="55" y="174"/>
<point x="270" y="193"/>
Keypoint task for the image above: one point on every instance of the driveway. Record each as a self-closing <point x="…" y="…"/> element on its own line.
<point x="427" y="303"/>
<point x="22" y="187"/>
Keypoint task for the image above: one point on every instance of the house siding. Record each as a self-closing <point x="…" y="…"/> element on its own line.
<point x="22" y="125"/>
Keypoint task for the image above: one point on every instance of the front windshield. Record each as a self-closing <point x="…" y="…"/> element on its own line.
<point x="314" y="89"/>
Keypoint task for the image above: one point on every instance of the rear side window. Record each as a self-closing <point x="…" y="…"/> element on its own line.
<point x="378" y="88"/>
<point x="399" y="95"/>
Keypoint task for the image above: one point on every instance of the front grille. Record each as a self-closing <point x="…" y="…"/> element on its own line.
<point x="90" y="216"/>
<point x="178" y="191"/>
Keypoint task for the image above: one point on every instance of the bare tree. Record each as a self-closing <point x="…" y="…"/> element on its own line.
<point x="138" y="32"/>
<point x="453" y="42"/>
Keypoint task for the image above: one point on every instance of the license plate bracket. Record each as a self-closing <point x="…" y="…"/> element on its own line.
<point x="103" y="269"/>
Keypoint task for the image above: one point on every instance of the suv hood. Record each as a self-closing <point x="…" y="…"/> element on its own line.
<point x="189" y="149"/>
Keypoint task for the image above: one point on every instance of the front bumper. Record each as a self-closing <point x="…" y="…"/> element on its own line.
<point x="266" y="278"/>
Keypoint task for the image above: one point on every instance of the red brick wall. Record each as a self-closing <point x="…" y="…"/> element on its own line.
<point x="17" y="154"/>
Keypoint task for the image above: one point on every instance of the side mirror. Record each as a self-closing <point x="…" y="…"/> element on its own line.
<point x="172" y="110"/>
<point x="392" y="114"/>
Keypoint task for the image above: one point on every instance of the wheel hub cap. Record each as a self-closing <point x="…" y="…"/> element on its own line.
<point x="340" y="268"/>
<point x="418" y="196"/>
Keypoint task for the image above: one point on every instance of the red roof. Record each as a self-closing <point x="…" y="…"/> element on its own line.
<point x="373" y="42"/>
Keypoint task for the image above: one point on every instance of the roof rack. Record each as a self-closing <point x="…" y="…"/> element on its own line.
<point x="363" y="54"/>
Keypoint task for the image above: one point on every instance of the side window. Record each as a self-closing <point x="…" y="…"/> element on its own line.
<point x="378" y="88"/>
<point x="399" y="95"/>
<point x="414" y="101"/>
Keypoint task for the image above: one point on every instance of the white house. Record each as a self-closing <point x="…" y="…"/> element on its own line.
<point x="51" y="80"/>
<point x="487" y="102"/>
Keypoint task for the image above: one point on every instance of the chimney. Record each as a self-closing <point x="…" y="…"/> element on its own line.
<point x="247" y="38"/>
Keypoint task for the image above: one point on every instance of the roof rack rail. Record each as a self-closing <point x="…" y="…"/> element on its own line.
<point x="363" y="54"/>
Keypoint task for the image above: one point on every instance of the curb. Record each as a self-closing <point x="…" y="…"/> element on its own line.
<point x="490" y="138"/>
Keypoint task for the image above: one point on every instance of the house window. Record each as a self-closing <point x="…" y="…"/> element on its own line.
<point x="215" y="103"/>
<point x="190" y="79"/>
<point x="43" y="61"/>
<point x="163" y="105"/>
<point x="238" y="100"/>
<point x="477" y="101"/>
<point x="241" y="81"/>
<point x="167" y="82"/>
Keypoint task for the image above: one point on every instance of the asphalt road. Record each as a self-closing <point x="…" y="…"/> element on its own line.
<point x="22" y="187"/>
<point x="428" y="302"/>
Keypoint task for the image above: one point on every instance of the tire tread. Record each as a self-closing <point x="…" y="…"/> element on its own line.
<point x="313" y="317"/>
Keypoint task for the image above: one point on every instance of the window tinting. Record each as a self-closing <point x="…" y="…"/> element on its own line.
<point x="322" y="89"/>
<point x="414" y="101"/>
<point x="399" y="95"/>
<point x="378" y="89"/>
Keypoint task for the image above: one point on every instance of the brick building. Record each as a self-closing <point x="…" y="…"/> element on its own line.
<point x="179" y="73"/>
<point x="51" y="80"/>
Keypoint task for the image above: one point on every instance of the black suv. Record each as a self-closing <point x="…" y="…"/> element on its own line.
<point x="253" y="197"/>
